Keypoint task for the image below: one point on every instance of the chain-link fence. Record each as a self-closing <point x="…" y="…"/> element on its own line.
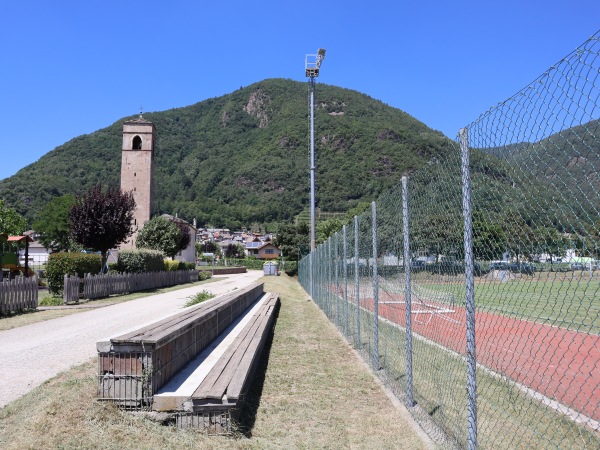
<point x="473" y="287"/>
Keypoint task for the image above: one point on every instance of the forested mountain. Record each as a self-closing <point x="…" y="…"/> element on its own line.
<point x="568" y="161"/>
<point x="563" y="170"/>
<point x="243" y="158"/>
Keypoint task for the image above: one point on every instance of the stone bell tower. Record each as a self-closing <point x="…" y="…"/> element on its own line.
<point x="137" y="173"/>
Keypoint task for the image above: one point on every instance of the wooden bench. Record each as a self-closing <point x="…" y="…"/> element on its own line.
<point x="134" y="365"/>
<point x="209" y="391"/>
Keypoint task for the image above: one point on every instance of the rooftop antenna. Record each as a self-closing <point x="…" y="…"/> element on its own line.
<point x="312" y="65"/>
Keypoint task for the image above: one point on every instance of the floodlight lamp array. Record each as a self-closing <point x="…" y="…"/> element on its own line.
<point x="313" y="63"/>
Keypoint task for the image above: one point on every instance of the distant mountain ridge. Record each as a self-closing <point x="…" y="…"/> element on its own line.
<point x="572" y="155"/>
<point x="242" y="158"/>
<point x="566" y="163"/>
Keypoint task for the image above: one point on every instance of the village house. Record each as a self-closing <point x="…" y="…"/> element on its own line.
<point x="37" y="253"/>
<point x="262" y="249"/>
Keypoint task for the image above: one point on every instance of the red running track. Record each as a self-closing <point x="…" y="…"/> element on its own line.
<point x="561" y="364"/>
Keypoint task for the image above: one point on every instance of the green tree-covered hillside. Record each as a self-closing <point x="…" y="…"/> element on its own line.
<point x="243" y="157"/>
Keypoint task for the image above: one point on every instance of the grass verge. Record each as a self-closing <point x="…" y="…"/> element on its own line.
<point x="312" y="393"/>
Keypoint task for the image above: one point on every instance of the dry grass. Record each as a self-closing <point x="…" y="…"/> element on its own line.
<point x="310" y="392"/>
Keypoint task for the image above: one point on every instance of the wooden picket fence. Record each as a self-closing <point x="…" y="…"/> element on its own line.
<point x="71" y="289"/>
<point x="18" y="295"/>
<point x="99" y="286"/>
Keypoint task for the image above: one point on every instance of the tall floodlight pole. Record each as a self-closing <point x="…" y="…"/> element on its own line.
<point x="312" y="66"/>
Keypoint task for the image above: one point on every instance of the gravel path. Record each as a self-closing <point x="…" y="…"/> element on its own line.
<point x="32" y="354"/>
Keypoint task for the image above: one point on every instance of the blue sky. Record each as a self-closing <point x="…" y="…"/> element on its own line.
<point x="72" y="67"/>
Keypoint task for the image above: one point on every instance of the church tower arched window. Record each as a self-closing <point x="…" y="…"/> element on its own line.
<point x="137" y="143"/>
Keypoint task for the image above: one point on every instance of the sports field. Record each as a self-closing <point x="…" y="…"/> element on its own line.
<point x="537" y="349"/>
<point x="541" y="332"/>
<point x="567" y="300"/>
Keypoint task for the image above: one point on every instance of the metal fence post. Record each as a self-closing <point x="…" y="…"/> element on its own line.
<point x="345" y="278"/>
<point x="329" y="280"/>
<point x="310" y="275"/>
<point x="321" y="262"/>
<point x="470" y="290"/>
<point x="317" y="269"/>
<point x="337" y="279"/>
<point x="407" y="297"/>
<point x="322" y="273"/>
<point x="375" y="291"/>
<point x="356" y="280"/>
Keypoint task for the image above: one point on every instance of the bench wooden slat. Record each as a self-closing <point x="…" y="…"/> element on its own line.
<point x="221" y="387"/>
<point x="182" y="327"/>
<point x="161" y="330"/>
<point x="181" y="322"/>
<point x="147" y="330"/>
<point x="237" y="364"/>
<point x="172" y="321"/>
<point x="244" y="369"/>
<point x="216" y="382"/>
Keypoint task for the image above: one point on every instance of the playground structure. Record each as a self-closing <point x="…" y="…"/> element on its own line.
<point x="9" y="256"/>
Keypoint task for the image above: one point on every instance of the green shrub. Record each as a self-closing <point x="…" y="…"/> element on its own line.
<point x="204" y="275"/>
<point x="199" y="298"/>
<point x="60" y="264"/>
<point x="170" y="265"/>
<point x="51" y="300"/>
<point x="290" y="268"/>
<point x="140" y="260"/>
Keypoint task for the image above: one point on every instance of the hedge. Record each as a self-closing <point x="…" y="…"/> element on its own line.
<point x="250" y="263"/>
<point x="60" y="264"/>
<point x="140" y="260"/>
<point x="170" y="265"/>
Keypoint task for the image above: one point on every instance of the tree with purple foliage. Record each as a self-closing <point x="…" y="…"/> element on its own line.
<point x="184" y="235"/>
<point x="101" y="220"/>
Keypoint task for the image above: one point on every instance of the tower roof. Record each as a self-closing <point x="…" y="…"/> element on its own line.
<point x="138" y="120"/>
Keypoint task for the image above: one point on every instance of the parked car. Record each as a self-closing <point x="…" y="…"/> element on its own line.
<point x="446" y="267"/>
<point x="417" y="266"/>
<point x="499" y="265"/>
<point x="453" y="267"/>
<point x="522" y="267"/>
<point x="580" y="266"/>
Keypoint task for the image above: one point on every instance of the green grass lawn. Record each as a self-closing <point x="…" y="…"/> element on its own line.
<point x="568" y="300"/>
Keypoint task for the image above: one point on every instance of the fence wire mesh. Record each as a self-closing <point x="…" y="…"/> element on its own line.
<point x="534" y="218"/>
